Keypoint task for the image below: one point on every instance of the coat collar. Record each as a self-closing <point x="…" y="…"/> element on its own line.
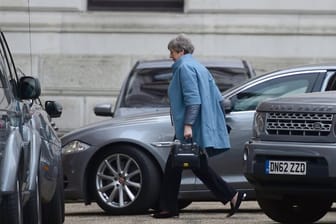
<point x="180" y="61"/>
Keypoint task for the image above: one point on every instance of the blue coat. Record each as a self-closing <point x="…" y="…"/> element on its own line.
<point x="191" y="84"/>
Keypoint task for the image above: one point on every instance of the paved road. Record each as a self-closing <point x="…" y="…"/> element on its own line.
<point x="196" y="213"/>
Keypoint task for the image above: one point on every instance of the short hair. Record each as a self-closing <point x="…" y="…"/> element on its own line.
<point x="180" y="43"/>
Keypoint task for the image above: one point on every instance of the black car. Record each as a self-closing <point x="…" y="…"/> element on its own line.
<point x="31" y="177"/>
<point x="290" y="157"/>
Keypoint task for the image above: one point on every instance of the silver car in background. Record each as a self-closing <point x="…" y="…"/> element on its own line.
<point x="118" y="163"/>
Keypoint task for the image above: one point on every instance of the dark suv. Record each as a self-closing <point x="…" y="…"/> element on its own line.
<point x="31" y="183"/>
<point x="290" y="159"/>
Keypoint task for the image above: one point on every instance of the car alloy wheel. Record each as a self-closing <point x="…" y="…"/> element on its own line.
<point x="124" y="180"/>
<point x="118" y="180"/>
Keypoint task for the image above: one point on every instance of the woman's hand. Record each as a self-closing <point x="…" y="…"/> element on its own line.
<point x="187" y="131"/>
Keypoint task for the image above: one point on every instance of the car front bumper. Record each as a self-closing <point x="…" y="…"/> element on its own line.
<point x="320" y="159"/>
<point x="75" y="174"/>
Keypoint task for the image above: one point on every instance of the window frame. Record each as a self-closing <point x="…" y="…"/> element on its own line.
<point x="311" y="76"/>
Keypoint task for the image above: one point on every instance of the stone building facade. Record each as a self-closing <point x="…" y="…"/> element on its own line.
<point x="81" y="56"/>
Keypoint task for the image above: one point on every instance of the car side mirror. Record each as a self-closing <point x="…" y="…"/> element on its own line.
<point x="227" y="106"/>
<point x="53" y="108"/>
<point x="29" y="88"/>
<point x="104" y="110"/>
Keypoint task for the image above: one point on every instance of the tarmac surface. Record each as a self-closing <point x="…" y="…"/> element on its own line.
<point x="197" y="212"/>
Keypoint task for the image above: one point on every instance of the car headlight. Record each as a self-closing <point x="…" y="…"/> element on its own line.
<point x="74" y="146"/>
<point x="258" y="124"/>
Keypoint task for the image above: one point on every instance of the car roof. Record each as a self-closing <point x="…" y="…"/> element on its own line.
<point x="166" y="63"/>
<point x="302" y="68"/>
<point x="295" y="69"/>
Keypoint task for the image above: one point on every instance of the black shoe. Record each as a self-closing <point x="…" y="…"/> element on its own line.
<point x="165" y="215"/>
<point x="234" y="208"/>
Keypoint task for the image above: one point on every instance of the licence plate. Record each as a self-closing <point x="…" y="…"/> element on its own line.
<point x="285" y="167"/>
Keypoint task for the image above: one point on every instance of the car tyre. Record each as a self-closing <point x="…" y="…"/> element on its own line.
<point x="124" y="180"/>
<point x="183" y="203"/>
<point x="11" y="206"/>
<point x="304" y="210"/>
<point x="33" y="210"/>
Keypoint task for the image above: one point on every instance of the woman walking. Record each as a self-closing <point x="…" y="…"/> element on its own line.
<point x="197" y="113"/>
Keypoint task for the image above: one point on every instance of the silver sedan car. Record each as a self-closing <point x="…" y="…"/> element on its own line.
<point x="118" y="163"/>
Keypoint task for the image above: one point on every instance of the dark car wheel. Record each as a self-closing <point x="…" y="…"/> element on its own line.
<point x="306" y="210"/>
<point x="11" y="206"/>
<point x="124" y="180"/>
<point x="53" y="211"/>
<point x="32" y="210"/>
<point x="183" y="203"/>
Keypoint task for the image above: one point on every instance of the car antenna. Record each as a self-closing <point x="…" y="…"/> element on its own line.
<point x="30" y="40"/>
<point x="30" y="44"/>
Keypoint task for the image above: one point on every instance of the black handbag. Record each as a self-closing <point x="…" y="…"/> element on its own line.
<point x="185" y="155"/>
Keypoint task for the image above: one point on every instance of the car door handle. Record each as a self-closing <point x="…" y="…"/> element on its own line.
<point x="161" y="144"/>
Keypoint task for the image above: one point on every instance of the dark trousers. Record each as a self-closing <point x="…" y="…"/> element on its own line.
<point x="172" y="179"/>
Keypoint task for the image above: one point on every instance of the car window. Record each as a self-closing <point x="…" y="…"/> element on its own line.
<point x="3" y="68"/>
<point x="228" y="77"/>
<point x="4" y="98"/>
<point x="8" y="68"/>
<point x="3" y="94"/>
<point x="9" y="64"/>
<point x="148" y="87"/>
<point x="249" y="98"/>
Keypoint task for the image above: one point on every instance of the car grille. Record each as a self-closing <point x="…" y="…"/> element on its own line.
<point x="299" y="124"/>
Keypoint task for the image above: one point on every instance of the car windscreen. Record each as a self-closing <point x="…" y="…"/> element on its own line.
<point x="148" y="87"/>
<point x="4" y="98"/>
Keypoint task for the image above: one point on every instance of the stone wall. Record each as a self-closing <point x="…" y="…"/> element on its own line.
<point x="82" y="57"/>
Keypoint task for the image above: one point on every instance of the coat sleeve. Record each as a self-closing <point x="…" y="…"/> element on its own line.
<point x="191" y="113"/>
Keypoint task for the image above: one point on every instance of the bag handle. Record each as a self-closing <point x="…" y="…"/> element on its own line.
<point x="192" y="144"/>
<point x="190" y="140"/>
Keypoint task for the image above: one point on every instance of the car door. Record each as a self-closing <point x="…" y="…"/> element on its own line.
<point x="244" y="101"/>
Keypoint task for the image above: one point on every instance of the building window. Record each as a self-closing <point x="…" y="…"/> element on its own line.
<point x="137" y="5"/>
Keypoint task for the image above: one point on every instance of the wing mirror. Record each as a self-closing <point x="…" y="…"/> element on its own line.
<point x="29" y="88"/>
<point x="103" y="110"/>
<point x="53" y="108"/>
